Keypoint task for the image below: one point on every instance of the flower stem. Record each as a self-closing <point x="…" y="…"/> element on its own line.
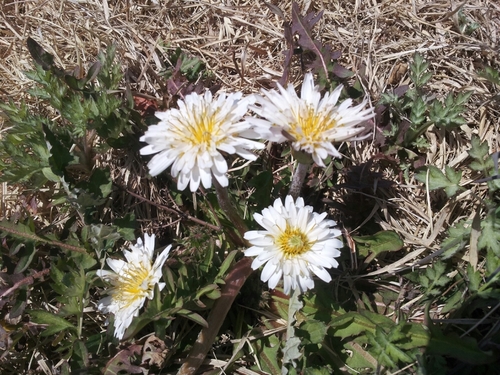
<point x="291" y="350"/>
<point x="298" y="179"/>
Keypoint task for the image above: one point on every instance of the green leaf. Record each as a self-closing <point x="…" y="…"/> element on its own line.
<point x="314" y="331"/>
<point x="206" y="290"/>
<point x="490" y="232"/>
<point x="449" y="181"/>
<point x="55" y="323"/>
<point x="458" y="237"/>
<point x="434" y="279"/>
<point x="267" y="354"/>
<point x="197" y="318"/>
<point x="418" y="110"/>
<point x="385" y="347"/>
<point x="226" y="264"/>
<point x="479" y="151"/>
<point x="353" y="323"/>
<point x="475" y="279"/>
<point x="73" y="82"/>
<point x="126" y="226"/>
<point x="100" y="183"/>
<point x="84" y="261"/>
<point x="449" y="115"/>
<point x="80" y="358"/>
<point x="263" y="184"/>
<point x="464" y="349"/>
<point x="418" y="70"/>
<point x="490" y="74"/>
<point x="291" y="350"/>
<point x="50" y="175"/>
<point x="378" y="243"/>
<point x="25" y="255"/>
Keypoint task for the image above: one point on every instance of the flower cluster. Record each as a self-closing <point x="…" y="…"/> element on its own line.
<point x="296" y="242"/>
<point x="193" y="138"/>
<point x="131" y="282"/>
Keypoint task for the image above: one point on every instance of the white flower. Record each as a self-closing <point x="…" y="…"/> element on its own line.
<point x="192" y="137"/>
<point x="295" y="244"/>
<point x="132" y="282"/>
<point x="312" y="123"/>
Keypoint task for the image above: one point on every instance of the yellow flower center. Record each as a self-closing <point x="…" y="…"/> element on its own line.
<point x="134" y="283"/>
<point x="293" y="242"/>
<point x="311" y="127"/>
<point x="204" y="127"/>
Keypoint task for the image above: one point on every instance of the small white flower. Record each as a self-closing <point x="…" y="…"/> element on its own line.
<point x="312" y="123"/>
<point x="295" y="244"/>
<point x="132" y="282"/>
<point x="191" y="138"/>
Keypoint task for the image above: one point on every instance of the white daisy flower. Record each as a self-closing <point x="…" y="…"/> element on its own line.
<point x="295" y="244"/>
<point x="132" y="282"/>
<point x="191" y="138"/>
<point x="312" y="123"/>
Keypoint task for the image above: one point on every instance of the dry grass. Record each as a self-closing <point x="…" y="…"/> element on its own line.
<point x="241" y="42"/>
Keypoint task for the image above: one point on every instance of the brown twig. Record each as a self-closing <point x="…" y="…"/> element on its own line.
<point x="26" y="281"/>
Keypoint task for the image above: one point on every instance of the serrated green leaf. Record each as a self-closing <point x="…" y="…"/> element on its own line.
<point x="490" y="232"/>
<point x="84" y="261"/>
<point x="463" y="348"/>
<point x="416" y="336"/>
<point x="490" y="74"/>
<point x="55" y="323"/>
<point x="458" y="237"/>
<point x="479" y="151"/>
<point x="418" y="70"/>
<point x="455" y="301"/>
<point x="378" y="243"/>
<point x="315" y="331"/>
<point x="385" y="349"/>
<point x="352" y="323"/>
<point x="267" y="354"/>
<point x="418" y="110"/>
<point x="449" y="181"/>
<point x="474" y="279"/>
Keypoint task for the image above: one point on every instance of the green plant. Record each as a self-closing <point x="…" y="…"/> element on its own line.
<point x="406" y="113"/>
